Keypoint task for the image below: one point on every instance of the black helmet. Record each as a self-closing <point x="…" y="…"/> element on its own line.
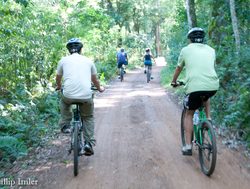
<point x="74" y="45"/>
<point x="196" y="35"/>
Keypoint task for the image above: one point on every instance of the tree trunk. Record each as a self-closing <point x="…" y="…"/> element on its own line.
<point x="191" y="15"/>
<point x="157" y="40"/>
<point x="157" y="33"/>
<point x="235" y="25"/>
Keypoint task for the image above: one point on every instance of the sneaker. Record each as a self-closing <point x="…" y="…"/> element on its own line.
<point x="66" y="129"/>
<point x="88" y="150"/>
<point x="145" y="71"/>
<point x="186" y="151"/>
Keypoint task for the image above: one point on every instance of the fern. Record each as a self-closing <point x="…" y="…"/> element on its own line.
<point x="11" y="149"/>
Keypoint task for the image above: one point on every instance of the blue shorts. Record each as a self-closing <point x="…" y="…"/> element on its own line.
<point x="148" y="62"/>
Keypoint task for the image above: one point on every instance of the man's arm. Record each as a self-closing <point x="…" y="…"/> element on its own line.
<point x="176" y="74"/>
<point x="96" y="83"/>
<point x="58" y="82"/>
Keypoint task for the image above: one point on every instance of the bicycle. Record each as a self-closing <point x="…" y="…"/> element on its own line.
<point x="76" y="139"/>
<point x="122" y="72"/>
<point x="203" y="137"/>
<point x="76" y="142"/>
<point x="149" y="71"/>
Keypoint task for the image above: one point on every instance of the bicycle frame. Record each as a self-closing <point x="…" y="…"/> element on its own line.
<point x="76" y="122"/>
<point x="197" y="128"/>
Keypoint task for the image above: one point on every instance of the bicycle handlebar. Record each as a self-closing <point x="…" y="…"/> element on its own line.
<point x="177" y="84"/>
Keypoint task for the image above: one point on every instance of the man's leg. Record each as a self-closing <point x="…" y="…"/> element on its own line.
<point x="188" y="126"/>
<point x="66" y="115"/>
<point x="207" y="109"/>
<point x="87" y="115"/>
<point x="150" y="68"/>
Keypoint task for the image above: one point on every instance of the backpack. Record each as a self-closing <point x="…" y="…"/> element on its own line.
<point x="122" y="57"/>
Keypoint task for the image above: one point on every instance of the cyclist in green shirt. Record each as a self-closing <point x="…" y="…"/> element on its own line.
<point x="201" y="79"/>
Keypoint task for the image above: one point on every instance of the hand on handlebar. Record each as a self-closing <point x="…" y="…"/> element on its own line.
<point x="102" y="89"/>
<point x="177" y="83"/>
<point x="94" y="88"/>
<point x="174" y="84"/>
<point x="58" y="88"/>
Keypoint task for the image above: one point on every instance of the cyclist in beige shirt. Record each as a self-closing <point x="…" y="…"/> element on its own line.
<point x="77" y="72"/>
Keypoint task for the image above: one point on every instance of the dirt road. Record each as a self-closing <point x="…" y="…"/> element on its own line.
<point x="138" y="147"/>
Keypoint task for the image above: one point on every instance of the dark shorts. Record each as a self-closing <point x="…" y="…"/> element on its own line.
<point x="194" y="100"/>
<point x="119" y="64"/>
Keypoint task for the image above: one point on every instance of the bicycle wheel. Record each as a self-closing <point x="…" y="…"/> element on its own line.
<point x="76" y="148"/>
<point x="207" y="148"/>
<point x="121" y="73"/>
<point x="148" y="74"/>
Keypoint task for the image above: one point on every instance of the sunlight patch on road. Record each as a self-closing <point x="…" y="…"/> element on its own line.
<point x="105" y="102"/>
<point x="146" y="93"/>
<point x="160" y="61"/>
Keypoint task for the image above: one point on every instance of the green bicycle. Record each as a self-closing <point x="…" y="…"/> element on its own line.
<point x="203" y="137"/>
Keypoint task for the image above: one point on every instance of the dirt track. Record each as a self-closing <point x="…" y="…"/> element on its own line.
<point x="138" y="147"/>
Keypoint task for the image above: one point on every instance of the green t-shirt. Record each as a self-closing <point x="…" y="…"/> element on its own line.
<point x="199" y="61"/>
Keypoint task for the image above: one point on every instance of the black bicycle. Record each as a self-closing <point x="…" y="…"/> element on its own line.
<point x="203" y="137"/>
<point x="76" y="143"/>
<point x="77" y="140"/>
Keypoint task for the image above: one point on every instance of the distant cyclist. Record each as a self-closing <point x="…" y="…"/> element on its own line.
<point x="201" y="79"/>
<point x="121" y="58"/>
<point x="147" y="59"/>
<point x="77" y="72"/>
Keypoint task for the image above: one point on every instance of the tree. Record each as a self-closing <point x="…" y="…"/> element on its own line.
<point x="191" y="15"/>
<point x="235" y="25"/>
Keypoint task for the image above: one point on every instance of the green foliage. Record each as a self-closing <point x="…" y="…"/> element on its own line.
<point x="11" y="149"/>
<point x="24" y="122"/>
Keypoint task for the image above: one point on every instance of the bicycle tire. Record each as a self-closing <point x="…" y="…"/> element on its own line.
<point x="183" y="137"/>
<point x="76" y="148"/>
<point x="207" y="148"/>
<point x="121" y="74"/>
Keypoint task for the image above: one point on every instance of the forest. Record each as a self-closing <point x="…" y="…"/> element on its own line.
<point x="33" y="37"/>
